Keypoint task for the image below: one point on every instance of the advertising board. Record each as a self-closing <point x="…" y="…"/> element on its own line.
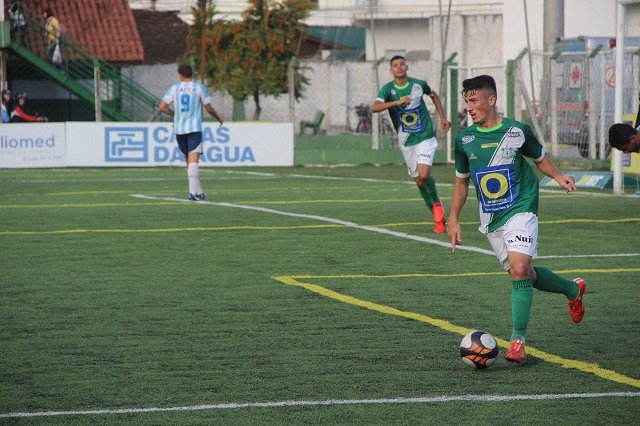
<point x="31" y="145"/>
<point x="89" y="144"/>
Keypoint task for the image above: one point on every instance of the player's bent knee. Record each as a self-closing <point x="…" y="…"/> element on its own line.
<point x="519" y="270"/>
<point x="422" y="180"/>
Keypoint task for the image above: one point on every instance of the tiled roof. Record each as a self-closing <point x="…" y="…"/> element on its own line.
<point x="105" y="27"/>
<point x="163" y="35"/>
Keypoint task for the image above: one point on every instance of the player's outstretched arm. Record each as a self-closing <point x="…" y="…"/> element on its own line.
<point x="547" y="167"/>
<point x="379" y="106"/>
<point x="459" y="197"/>
<point x="446" y="124"/>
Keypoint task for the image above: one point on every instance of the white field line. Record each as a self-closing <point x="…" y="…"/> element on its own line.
<point x="368" y="228"/>
<point x="325" y="219"/>
<point x="329" y="402"/>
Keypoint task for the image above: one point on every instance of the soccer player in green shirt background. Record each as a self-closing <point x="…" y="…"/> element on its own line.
<point x="492" y="152"/>
<point x="403" y="97"/>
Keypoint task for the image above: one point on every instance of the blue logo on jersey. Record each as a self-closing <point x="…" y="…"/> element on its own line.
<point x="410" y="119"/>
<point x="123" y="144"/>
<point x="496" y="187"/>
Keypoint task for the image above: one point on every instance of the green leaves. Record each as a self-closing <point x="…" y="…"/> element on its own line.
<point x="250" y="57"/>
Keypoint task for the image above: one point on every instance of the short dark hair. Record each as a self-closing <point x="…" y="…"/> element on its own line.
<point x="481" y="82"/>
<point x="48" y="12"/>
<point x="620" y="134"/>
<point x="185" y="70"/>
<point x="397" y="57"/>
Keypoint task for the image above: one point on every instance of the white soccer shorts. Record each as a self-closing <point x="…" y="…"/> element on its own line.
<point x="519" y="234"/>
<point x="421" y="153"/>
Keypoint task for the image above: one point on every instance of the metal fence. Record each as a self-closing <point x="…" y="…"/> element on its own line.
<point x="456" y="110"/>
<point x="81" y="86"/>
<point x="568" y="97"/>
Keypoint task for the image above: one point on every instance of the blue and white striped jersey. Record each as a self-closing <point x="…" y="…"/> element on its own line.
<point x="188" y="98"/>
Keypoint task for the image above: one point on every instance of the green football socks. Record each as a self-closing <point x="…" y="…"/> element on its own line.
<point x="553" y="283"/>
<point x="429" y="193"/>
<point x="521" y="301"/>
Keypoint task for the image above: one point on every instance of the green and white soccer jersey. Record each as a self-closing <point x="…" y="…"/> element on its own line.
<point x="412" y="122"/>
<point x="495" y="161"/>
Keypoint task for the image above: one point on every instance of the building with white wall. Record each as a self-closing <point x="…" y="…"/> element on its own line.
<point x="581" y="18"/>
<point x="481" y="31"/>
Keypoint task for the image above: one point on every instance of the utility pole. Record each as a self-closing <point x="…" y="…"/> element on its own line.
<point x="203" y="6"/>
<point x="553" y="25"/>
<point x="553" y="29"/>
<point x="3" y="65"/>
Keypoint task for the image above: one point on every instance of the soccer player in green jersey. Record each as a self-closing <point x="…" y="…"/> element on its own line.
<point x="403" y="97"/>
<point x="492" y="153"/>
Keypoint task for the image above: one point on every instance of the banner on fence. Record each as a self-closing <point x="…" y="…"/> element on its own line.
<point x="153" y="144"/>
<point x="25" y="145"/>
<point x="89" y="144"/>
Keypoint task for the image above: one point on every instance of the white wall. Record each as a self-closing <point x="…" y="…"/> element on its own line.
<point x="582" y="18"/>
<point x="514" y="28"/>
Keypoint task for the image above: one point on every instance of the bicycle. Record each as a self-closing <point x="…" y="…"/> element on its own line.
<point x="364" y="119"/>
<point x="364" y="123"/>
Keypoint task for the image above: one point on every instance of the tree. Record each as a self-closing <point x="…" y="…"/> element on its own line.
<point x="250" y="58"/>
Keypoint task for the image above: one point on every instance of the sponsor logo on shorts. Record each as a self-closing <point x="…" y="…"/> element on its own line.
<point x="520" y="241"/>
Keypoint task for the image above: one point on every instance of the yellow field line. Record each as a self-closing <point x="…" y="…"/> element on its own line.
<point x="271" y="228"/>
<point x="217" y="191"/>
<point x="457" y="274"/>
<point x="58" y="206"/>
<point x="448" y="326"/>
<point x="142" y="231"/>
<point x="253" y="202"/>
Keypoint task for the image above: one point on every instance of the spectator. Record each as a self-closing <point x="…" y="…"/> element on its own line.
<point x="6" y="106"/>
<point x="19" y="115"/>
<point x="54" y="55"/>
<point x="19" y="25"/>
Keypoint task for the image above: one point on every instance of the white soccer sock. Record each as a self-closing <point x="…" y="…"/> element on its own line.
<point x="194" y="179"/>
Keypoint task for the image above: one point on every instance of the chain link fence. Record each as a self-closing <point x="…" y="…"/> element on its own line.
<point x="568" y="97"/>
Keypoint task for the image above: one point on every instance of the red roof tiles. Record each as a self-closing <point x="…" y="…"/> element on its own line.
<point x="163" y="34"/>
<point x="105" y="27"/>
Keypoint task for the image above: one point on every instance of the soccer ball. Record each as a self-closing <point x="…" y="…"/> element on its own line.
<point x="479" y="349"/>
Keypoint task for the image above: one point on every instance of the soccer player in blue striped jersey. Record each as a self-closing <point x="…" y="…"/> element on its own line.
<point x="188" y="97"/>
<point x="492" y="152"/>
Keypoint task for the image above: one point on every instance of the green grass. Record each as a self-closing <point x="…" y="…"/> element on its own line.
<point x="112" y="302"/>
